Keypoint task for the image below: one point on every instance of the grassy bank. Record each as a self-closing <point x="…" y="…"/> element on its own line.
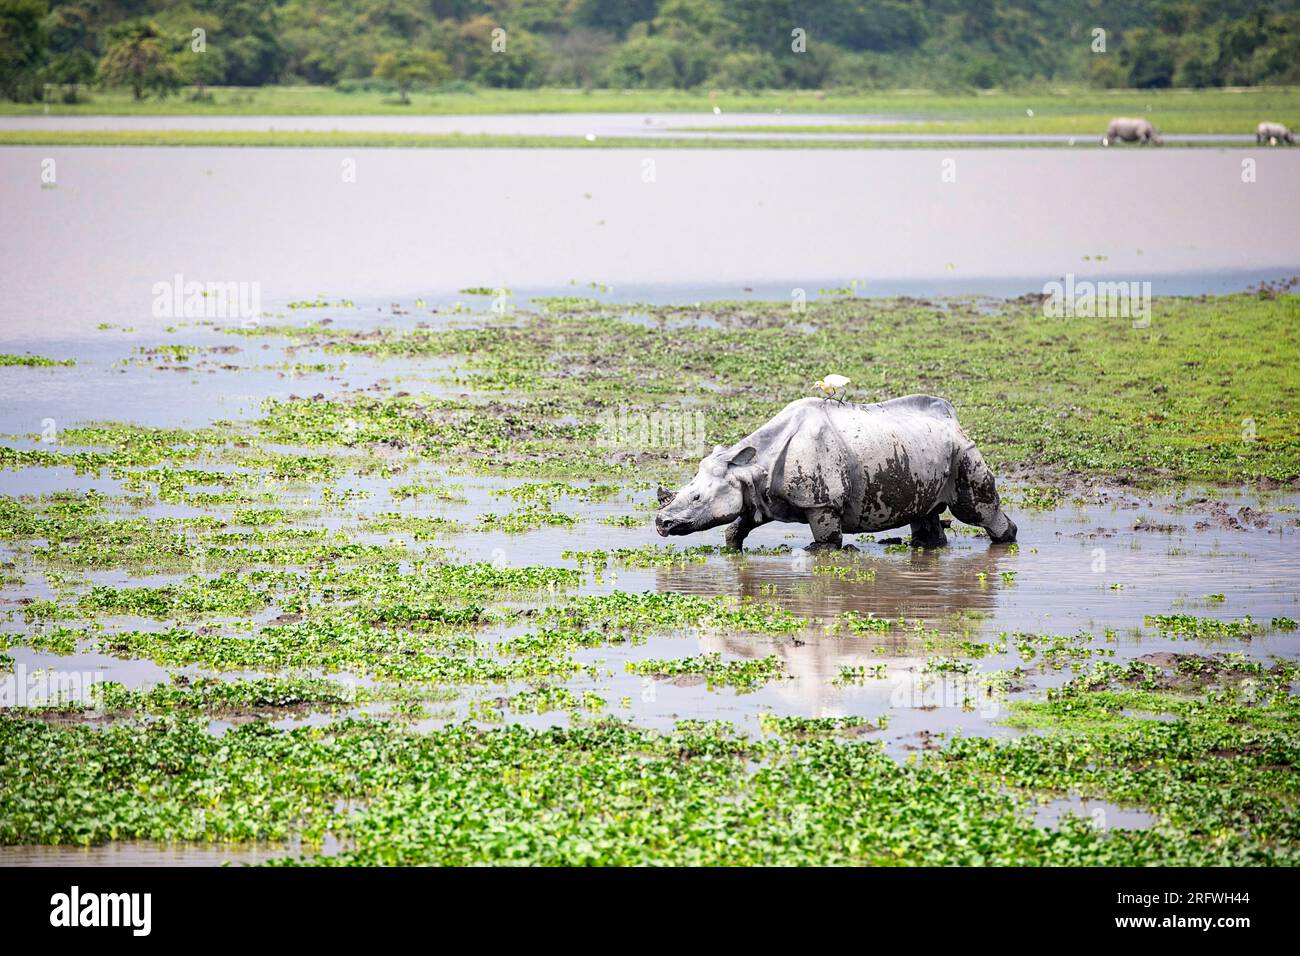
<point x="1093" y="396"/>
<point x="1056" y="110"/>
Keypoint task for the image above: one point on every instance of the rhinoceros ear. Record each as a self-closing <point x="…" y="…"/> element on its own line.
<point x="745" y="456"/>
<point x="665" y="496"/>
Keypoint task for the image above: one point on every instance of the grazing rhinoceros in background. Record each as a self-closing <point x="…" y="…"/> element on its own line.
<point x="1131" y="131"/>
<point x="839" y="468"/>
<point x="1273" y="133"/>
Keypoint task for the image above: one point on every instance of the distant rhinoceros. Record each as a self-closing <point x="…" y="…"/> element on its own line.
<point x="1273" y="133"/>
<point x="843" y="468"/>
<point x="1131" y="131"/>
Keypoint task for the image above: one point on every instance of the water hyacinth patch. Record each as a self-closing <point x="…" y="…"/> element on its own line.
<point x="743" y="675"/>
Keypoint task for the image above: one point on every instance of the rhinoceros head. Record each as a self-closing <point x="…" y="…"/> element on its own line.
<point x="715" y="496"/>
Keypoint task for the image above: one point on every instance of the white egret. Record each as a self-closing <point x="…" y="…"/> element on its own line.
<point x="832" y="384"/>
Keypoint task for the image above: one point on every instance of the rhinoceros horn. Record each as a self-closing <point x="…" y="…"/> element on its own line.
<point x="665" y="496"/>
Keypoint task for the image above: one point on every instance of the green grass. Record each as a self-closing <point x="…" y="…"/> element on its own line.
<point x="1094" y="396"/>
<point x="1081" y="112"/>
<point x="1047" y="103"/>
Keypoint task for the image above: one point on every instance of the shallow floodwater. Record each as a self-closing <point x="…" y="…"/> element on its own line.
<point x="670" y="224"/>
<point x="1089" y="567"/>
<point x="140" y="853"/>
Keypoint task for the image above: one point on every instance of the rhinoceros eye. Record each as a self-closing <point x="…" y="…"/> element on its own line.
<point x="696" y="498"/>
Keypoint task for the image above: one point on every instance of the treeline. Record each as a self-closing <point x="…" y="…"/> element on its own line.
<point x="157" y="46"/>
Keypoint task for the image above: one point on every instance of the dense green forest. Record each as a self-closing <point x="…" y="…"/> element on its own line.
<point x="155" y="47"/>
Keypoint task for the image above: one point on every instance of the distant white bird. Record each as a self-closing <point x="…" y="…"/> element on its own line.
<point x="831" y="384"/>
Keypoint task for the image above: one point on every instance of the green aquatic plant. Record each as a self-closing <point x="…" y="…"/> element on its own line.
<point x="743" y="675"/>
<point x="858" y="623"/>
<point x="32" y="361"/>
<point x="528" y="518"/>
<point x="1188" y="625"/>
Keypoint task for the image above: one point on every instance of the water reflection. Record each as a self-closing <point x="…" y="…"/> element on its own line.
<point x="926" y="584"/>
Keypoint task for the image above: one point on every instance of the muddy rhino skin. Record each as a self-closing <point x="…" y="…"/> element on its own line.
<point x="843" y="468"/>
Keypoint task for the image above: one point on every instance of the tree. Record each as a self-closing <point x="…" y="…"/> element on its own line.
<point x="498" y="56"/>
<point x="409" y="66"/>
<point x="577" y="57"/>
<point x="659" y="62"/>
<point x="139" y="57"/>
<point x="1149" y="57"/>
<point x="613" y="16"/>
<point x="22" y="48"/>
<point x="69" y="70"/>
<point x="744" y="70"/>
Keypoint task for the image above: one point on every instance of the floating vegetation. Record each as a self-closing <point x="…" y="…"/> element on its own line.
<point x="32" y="361"/>
<point x="528" y="518"/>
<point x="859" y="623"/>
<point x="1188" y="625"/>
<point x="803" y="727"/>
<point x="743" y="675"/>
<point x="1041" y="497"/>
<point x="947" y="665"/>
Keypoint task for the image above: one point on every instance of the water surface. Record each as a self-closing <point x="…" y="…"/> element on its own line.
<point x="709" y="223"/>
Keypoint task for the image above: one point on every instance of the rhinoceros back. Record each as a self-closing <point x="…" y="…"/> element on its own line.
<point x="905" y="453"/>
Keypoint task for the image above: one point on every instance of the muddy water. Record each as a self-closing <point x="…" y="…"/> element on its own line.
<point x="138" y="853"/>
<point x="709" y="224"/>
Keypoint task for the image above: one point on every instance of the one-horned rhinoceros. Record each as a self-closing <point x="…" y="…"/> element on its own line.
<point x="843" y="468"/>
<point x="1273" y="133"/>
<point x="1131" y="131"/>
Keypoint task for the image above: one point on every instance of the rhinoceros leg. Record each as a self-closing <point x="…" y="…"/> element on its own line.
<point x="825" y="525"/>
<point x="977" y="498"/>
<point x="928" y="532"/>
<point x="738" y="531"/>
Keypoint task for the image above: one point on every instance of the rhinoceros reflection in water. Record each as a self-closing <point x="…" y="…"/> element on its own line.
<point x="843" y="468"/>
<point x="939" y="588"/>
